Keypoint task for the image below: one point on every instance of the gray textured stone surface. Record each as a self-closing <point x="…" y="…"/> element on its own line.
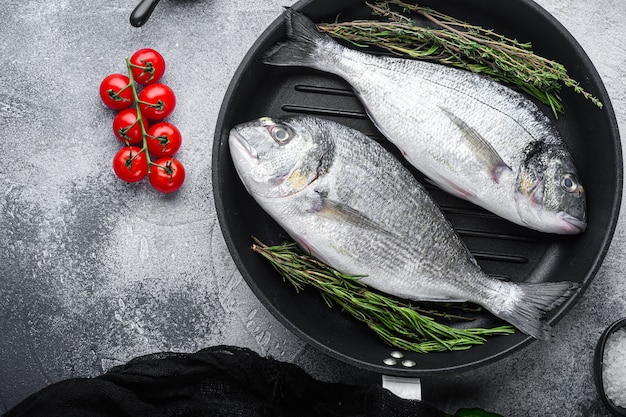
<point x="95" y="271"/>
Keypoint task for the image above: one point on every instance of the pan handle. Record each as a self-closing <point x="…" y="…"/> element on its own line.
<point x="407" y="388"/>
<point x="142" y="12"/>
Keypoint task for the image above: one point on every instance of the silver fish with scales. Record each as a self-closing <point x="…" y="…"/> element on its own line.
<point x="472" y="136"/>
<point x="351" y="204"/>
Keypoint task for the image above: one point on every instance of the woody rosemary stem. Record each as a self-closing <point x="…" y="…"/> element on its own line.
<point x="398" y="323"/>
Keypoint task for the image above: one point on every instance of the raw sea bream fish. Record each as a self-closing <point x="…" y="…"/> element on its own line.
<point x="472" y="136"/>
<point x="355" y="207"/>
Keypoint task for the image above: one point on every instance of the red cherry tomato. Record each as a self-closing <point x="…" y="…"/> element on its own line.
<point x="167" y="175"/>
<point x="164" y="139"/>
<point x="147" y="65"/>
<point x="130" y="164"/>
<point x="157" y="101"/>
<point x="115" y="92"/>
<point x="127" y="128"/>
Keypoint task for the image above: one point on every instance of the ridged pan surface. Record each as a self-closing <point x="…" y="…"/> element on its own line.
<point x="501" y="248"/>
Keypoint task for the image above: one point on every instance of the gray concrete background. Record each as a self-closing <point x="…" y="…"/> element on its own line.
<point x="95" y="271"/>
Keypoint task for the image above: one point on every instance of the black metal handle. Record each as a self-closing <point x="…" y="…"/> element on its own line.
<point x="142" y="12"/>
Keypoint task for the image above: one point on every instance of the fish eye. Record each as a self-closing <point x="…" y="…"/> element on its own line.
<point x="569" y="183"/>
<point x="281" y="134"/>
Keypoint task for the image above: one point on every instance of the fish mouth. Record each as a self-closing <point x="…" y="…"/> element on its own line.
<point x="239" y="144"/>
<point x="571" y="225"/>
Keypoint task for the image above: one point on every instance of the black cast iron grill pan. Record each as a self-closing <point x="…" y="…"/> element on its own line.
<point x="501" y="248"/>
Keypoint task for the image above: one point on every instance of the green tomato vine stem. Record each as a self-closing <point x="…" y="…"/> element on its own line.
<point x="147" y="69"/>
<point x="124" y="131"/>
<point x="116" y="94"/>
<point x="144" y="134"/>
<point x="158" y="105"/>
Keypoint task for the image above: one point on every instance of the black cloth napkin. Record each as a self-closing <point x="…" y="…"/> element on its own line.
<point x="221" y="381"/>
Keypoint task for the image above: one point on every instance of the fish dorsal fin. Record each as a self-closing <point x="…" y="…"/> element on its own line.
<point x="330" y="209"/>
<point x="482" y="149"/>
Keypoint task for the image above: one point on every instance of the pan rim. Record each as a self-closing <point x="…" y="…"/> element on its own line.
<point x="220" y="141"/>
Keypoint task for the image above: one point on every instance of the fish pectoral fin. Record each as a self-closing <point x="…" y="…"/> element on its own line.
<point x="482" y="149"/>
<point x="497" y="171"/>
<point x="308" y="247"/>
<point x="330" y="209"/>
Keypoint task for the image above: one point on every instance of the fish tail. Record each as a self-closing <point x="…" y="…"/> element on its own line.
<point x="303" y="39"/>
<point x="533" y="300"/>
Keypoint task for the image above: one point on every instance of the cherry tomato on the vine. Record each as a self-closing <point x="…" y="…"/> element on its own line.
<point x="127" y="128"/>
<point x="154" y="102"/>
<point x="115" y="91"/>
<point x="147" y="66"/>
<point x="164" y="139"/>
<point x="167" y="175"/>
<point x="130" y="164"/>
<point x="157" y="101"/>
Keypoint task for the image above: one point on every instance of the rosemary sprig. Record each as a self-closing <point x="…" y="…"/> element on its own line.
<point x="399" y="324"/>
<point x="453" y="42"/>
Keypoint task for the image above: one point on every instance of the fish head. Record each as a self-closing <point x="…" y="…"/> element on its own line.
<point x="549" y="196"/>
<point x="278" y="157"/>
